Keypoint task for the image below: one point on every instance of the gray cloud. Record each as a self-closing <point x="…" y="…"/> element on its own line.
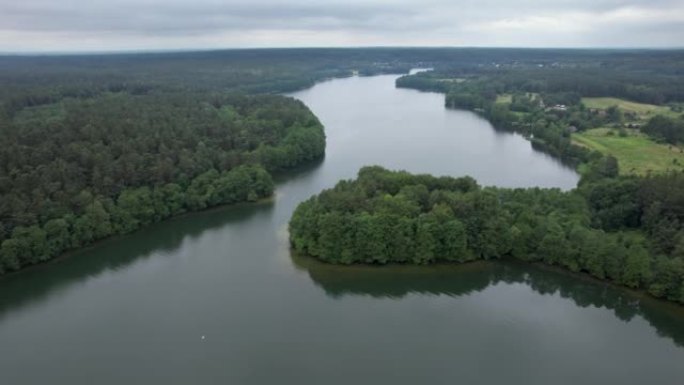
<point x="27" y="25"/>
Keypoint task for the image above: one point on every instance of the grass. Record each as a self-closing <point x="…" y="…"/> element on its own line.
<point x="508" y="98"/>
<point x="636" y="153"/>
<point x="452" y="80"/>
<point x="520" y="114"/>
<point x="504" y="98"/>
<point x="644" y="111"/>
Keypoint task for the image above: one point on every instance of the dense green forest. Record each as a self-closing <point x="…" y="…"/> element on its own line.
<point x="79" y="170"/>
<point x="625" y="230"/>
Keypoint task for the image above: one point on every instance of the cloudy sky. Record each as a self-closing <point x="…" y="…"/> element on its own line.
<point x="111" y="25"/>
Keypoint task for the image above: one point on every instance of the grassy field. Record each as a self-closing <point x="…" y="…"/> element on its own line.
<point x="508" y="98"/>
<point x="644" y="111"/>
<point x="504" y="98"/>
<point x="452" y="80"/>
<point x="636" y="153"/>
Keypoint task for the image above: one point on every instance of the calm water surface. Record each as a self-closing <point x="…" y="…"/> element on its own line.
<point x="216" y="297"/>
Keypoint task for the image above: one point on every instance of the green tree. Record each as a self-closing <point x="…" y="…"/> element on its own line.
<point x="637" y="272"/>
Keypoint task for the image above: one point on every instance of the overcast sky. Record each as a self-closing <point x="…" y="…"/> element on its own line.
<point x="111" y="25"/>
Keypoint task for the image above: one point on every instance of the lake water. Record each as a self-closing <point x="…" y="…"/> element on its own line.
<point x="216" y="297"/>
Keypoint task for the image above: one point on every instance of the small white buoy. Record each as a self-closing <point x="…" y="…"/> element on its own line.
<point x="202" y="337"/>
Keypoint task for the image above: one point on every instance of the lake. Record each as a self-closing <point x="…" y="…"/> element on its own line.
<point x="217" y="297"/>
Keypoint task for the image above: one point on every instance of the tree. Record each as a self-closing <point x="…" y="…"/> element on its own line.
<point x="454" y="242"/>
<point x="554" y="246"/>
<point x="426" y="244"/>
<point x="9" y="255"/>
<point x="57" y="232"/>
<point x="668" y="278"/>
<point x="637" y="270"/>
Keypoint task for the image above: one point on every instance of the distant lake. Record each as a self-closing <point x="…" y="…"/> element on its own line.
<point x="217" y="297"/>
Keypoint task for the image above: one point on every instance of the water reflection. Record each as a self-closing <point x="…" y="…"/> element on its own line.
<point x="40" y="282"/>
<point x="303" y="171"/>
<point x="398" y="281"/>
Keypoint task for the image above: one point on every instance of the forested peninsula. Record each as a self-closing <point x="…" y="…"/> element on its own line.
<point x="622" y="230"/>
<point x="80" y="170"/>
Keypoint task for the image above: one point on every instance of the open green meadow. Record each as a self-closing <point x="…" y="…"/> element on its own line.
<point x="636" y="153"/>
<point x="643" y="110"/>
<point x="504" y="98"/>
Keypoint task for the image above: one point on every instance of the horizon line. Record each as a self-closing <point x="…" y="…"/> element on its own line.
<point x="200" y="50"/>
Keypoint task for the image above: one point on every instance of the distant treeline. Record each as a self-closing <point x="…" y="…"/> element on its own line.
<point x="639" y="76"/>
<point x="38" y="80"/>
<point x="624" y="230"/>
<point x="78" y="170"/>
<point x="32" y="80"/>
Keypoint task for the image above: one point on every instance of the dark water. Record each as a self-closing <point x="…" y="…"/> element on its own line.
<point x="216" y="297"/>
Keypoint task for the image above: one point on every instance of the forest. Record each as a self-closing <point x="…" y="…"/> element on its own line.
<point x="80" y="170"/>
<point x="624" y="230"/>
